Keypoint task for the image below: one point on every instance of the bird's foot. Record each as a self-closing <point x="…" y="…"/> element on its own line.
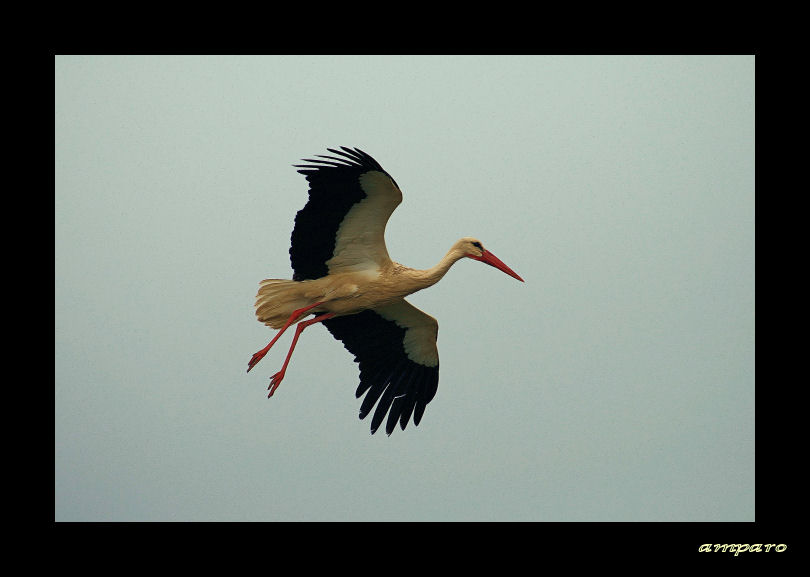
<point x="256" y="358"/>
<point x="275" y="381"/>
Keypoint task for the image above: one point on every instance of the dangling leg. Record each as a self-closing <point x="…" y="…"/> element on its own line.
<point x="293" y="317"/>
<point x="275" y="380"/>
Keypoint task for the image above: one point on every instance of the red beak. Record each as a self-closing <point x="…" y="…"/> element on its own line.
<point x="493" y="260"/>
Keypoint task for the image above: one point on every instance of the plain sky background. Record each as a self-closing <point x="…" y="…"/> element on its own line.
<point x="615" y="384"/>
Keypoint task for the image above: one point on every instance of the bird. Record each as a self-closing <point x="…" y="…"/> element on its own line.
<point x="342" y="275"/>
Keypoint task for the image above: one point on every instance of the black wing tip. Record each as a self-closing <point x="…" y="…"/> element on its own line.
<point x="388" y="430"/>
<point x="422" y="385"/>
<point x="347" y="158"/>
<point x="391" y="426"/>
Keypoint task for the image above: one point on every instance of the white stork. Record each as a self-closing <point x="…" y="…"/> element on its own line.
<point x="344" y="276"/>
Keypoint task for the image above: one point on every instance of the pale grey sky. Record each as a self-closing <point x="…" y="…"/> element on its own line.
<point x="615" y="384"/>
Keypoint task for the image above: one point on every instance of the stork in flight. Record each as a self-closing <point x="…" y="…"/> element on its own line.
<point x="344" y="276"/>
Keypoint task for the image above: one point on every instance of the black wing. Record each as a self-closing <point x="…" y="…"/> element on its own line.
<point x="337" y="185"/>
<point x="395" y="347"/>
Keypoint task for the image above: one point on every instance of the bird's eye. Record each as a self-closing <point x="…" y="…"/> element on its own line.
<point x="478" y="245"/>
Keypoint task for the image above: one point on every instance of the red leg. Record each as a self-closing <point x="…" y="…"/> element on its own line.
<point x="260" y="355"/>
<point x="275" y="380"/>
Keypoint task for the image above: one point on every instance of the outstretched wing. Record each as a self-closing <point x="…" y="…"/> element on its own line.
<point x="395" y="347"/>
<point x="342" y="226"/>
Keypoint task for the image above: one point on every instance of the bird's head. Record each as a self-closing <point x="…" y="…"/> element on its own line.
<point x="472" y="248"/>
